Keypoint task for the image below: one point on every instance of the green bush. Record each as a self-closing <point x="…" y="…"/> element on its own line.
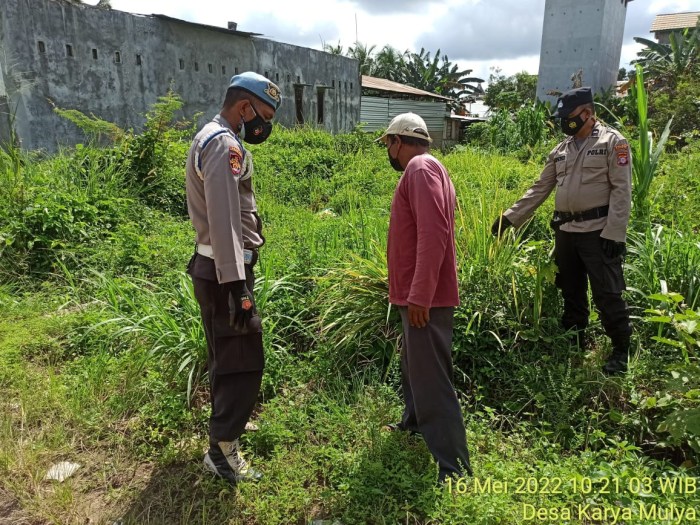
<point x="155" y="159"/>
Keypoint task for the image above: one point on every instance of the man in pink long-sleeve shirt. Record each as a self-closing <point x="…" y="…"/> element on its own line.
<point x="423" y="285"/>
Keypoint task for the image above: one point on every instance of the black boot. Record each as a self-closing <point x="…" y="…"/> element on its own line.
<point x="617" y="362"/>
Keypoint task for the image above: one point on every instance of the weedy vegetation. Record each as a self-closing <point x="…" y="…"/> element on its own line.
<point x="102" y="354"/>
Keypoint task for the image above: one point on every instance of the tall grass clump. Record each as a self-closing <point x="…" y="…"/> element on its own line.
<point x="356" y="323"/>
<point x="165" y="320"/>
<point x="645" y="155"/>
<point x="663" y="255"/>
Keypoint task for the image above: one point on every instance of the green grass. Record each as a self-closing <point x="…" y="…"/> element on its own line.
<point x="101" y="350"/>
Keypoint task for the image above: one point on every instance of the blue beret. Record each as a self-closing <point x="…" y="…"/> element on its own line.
<point x="570" y="100"/>
<point x="259" y="86"/>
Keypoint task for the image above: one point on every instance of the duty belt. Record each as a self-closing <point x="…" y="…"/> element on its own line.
<point x="207" y="251"/>
<point x="562" y="217"/>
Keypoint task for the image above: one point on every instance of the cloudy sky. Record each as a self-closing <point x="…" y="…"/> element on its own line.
<point x="476" y="34"/>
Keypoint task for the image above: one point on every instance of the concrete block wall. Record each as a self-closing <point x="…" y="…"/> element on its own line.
<point x="115" y="65"/>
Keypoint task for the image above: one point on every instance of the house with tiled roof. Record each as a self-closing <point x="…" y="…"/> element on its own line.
<point x="665" y="24"/>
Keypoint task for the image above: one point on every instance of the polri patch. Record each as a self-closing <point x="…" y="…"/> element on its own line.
<point x="235" y="159"/>
<point x="622" y="159"/>
<point x="594" y="152"/>
<point x="273" y="92"/>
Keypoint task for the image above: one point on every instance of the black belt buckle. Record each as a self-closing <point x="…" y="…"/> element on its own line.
<point x="557" y="221"/>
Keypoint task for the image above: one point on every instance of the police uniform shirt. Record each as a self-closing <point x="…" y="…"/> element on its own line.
<point x="220" y="198"/>
<point x="598" y="173"/>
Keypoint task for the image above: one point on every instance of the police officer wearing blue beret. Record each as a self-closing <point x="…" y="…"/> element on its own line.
<point x="591" y="173"/>
<point x="221" y="205"/>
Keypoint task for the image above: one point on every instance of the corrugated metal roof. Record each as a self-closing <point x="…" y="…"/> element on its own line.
<point x="381" y="84"/>
<point x="669" y="22"/>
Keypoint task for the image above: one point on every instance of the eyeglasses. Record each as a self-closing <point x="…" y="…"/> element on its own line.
<point x="258" y="114"/>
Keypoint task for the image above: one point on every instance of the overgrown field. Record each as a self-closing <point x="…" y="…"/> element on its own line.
<point x="102" y="352"/>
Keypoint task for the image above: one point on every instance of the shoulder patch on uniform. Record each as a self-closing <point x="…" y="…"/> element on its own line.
<point x="595" y="133"/>
<point x="623" y="154"/>
<point x="235" y="159"/>
<point x="559" y="158"/>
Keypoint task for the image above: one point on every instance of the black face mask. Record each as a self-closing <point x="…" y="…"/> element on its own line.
<point x="571" y="126"/>
<point x="394" y="161"/>
<point x="255" y="130"/>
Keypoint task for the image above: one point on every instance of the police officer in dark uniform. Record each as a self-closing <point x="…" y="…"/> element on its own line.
<point x="591" y="171"/>
<point x="221" y="205"/>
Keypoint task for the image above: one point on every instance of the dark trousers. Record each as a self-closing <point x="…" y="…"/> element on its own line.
<point x="580" y="259"/>
<point x="432" y="407"/>
<point x="235" y="358"/>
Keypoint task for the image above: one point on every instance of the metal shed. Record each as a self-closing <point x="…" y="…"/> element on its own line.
<point x="393" y="98"/>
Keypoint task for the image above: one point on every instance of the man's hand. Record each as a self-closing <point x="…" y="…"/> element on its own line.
<point x="501" y="225"/>
<point x="418" y="316"/>
<point x="612" y="248"/>
<point x="241" y="305"/>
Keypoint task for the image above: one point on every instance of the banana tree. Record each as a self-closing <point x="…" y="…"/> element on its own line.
<point x="664" y="63"/>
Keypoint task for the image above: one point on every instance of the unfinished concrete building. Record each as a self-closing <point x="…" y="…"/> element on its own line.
<point x="115" y="65"/>
<point x="581" y="37"/>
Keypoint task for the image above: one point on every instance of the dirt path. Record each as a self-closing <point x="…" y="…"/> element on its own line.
<point x="11" y="513"/>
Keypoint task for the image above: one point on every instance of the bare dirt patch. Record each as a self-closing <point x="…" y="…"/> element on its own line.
<point x="11" y="513"/>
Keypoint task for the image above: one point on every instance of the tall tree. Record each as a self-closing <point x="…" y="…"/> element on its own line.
<point x="511" y="92"/>
<point x="363" y="54"/>
<point x="333" y="50"/>
<point x="439" y="75"/>
<point x="390" y="63"/>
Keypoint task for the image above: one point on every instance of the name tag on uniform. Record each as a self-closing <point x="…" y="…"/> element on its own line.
<point x="593" y="152"/>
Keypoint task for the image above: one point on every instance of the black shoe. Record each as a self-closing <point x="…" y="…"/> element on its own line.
<point x="399" y="427"/>
<point x="580" y="340"/>
<point x="226" y="461"/>
<point x="616" y="364"/>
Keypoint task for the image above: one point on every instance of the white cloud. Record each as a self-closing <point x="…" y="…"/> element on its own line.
<point x="475" y="34"/>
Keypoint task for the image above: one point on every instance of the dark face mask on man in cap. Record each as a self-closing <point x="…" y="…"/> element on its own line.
<point x="572" y="125"/>
<point x="394" y="161"/>
<point x="255" y="130"/>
